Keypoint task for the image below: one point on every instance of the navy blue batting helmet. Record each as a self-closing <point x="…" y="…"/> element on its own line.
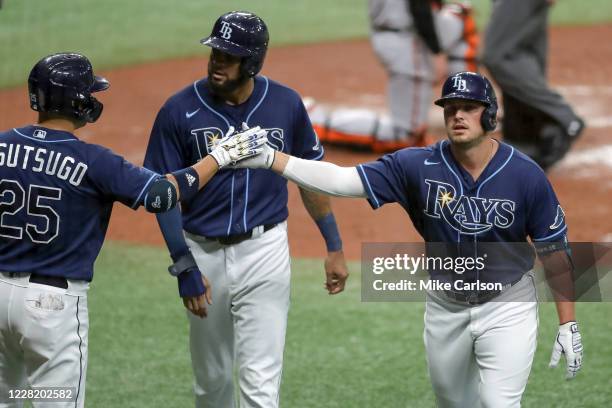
<point x="63" y="83"/>
<point x="473" y="87"/>
<point x="241" y="34"/>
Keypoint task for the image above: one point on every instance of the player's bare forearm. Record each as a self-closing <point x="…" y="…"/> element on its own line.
<point x="558" y="269"/>
<point x="319" y="209"/>
<point x="317" y="205"/>
<point x="206" y="169"/>
<point x="280" y="162"/>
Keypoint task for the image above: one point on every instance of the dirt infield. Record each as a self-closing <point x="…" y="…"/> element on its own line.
<point x="347" y="73"/>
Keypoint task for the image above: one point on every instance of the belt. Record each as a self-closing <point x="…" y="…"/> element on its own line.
<point x="55" y="281"/>
<point x="479" y="297"/>
<point x="390" y="29"/>
<point x="238" y="238"/>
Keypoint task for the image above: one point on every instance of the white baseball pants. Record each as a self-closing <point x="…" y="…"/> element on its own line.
<point x="43" y="339"/>
<point x="246" y="324"/>
<point x="409" y="65"/>
<point x="480" y="356"/>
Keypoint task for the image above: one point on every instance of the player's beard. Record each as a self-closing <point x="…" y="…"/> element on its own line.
<point x="228" y="87"/>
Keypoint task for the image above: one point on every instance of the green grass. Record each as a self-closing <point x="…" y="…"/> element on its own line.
<point x="119" y="32"/>
<point x="339" y="352"/>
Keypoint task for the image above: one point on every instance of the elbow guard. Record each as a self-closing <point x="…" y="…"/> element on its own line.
<point x="161" y="197"/>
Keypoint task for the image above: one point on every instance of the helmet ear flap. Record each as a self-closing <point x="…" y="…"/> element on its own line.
<point x="248" y="67"/>
<point x="92" y="110"/>
<point x="488" y="120"/>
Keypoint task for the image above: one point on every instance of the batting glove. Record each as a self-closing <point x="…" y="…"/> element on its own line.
<point x="263" y="160"/>
<point x="568" y="342"/>
<point x="239" y="146"/>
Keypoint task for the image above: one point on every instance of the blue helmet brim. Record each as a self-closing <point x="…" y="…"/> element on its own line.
<point x="100" y="84"/>
<point x="226" y="46"/>
<point x="457" y="95"/>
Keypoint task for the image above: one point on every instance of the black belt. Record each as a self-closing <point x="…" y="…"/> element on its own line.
<point x="56" y="281"/>
<point x="390" y="29"/>
<point x="238" y="238"/>
<point x="479" y="297"/>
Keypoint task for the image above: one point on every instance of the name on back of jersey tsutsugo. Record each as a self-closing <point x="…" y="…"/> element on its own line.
<point x="41" y="160"/>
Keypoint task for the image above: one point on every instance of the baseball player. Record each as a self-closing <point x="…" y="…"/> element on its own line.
<point x="467" y="190"/>
<point x="56" y="198"/>
<point x="236" y="228"/>
<point x="536" y="118"/>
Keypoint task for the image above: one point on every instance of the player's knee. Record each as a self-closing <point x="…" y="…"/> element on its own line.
<point x="161" y="197"/>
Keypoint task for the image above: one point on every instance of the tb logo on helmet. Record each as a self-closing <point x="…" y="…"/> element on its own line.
<point x="460" y="84"/>
<point x="226" y="30"/>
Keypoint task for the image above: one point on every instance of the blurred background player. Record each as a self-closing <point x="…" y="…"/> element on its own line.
<point x="237" y="227"/>
<point x="56" y="197"/>
<point x="405" y="35"/>
<point x="536" y="118"/>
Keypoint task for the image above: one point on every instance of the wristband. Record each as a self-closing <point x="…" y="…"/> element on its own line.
<point x="329" y="230"/>
<point x="188" y="183"/>
<point x="182" y="264"/>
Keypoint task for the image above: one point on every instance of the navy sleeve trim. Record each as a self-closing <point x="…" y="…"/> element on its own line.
<point x="145" y="188"/>
<point x="372" y="197"/>
<point x="552" y="235"/>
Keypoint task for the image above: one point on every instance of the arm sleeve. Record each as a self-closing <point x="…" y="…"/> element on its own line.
<point x="545" y="216"/>
<point x="171" y="226"/>
<point x="190" y="280"/>
<point x="306" y="142"/>
<point x="324" y="177"/>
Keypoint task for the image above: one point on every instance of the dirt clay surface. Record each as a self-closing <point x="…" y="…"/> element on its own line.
<point x="347" y="73"/>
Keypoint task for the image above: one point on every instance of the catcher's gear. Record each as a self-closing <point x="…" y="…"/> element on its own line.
<point x="241" y="34"/>
<point x="63" y="83"/>
<point x="239" y="146"/>
<point x="568" y="342"/>
<point x="474" y="87"/>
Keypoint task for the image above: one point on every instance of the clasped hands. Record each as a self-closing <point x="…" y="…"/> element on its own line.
<point x="245" y="149"/>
